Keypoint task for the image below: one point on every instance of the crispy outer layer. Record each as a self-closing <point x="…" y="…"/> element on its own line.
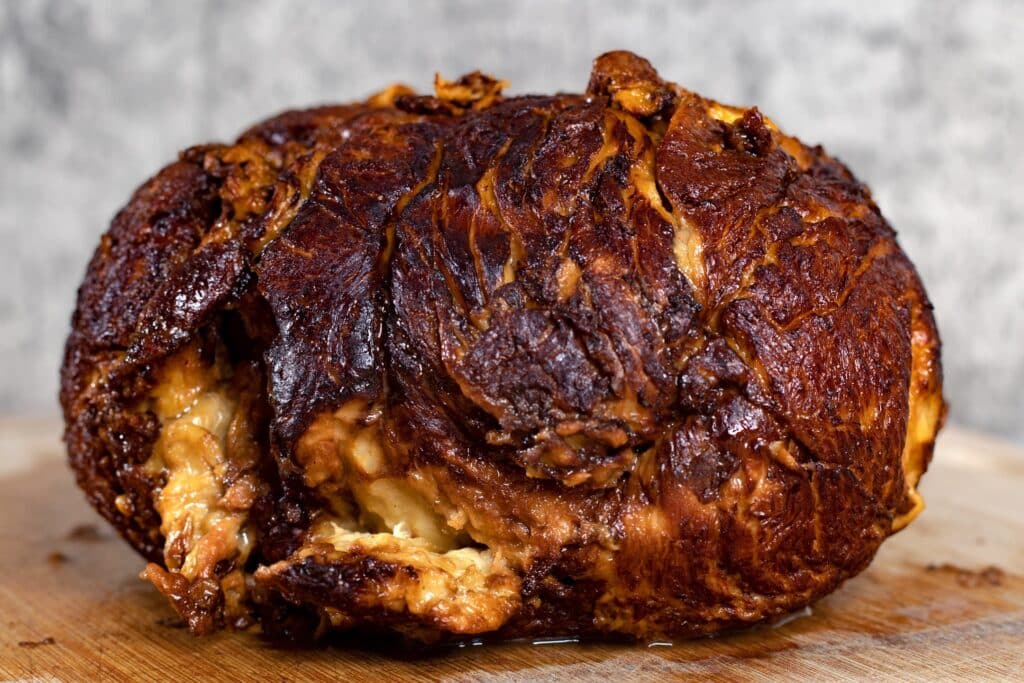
<point x="667" y="364"/>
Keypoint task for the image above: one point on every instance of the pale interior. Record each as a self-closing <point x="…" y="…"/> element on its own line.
<point x="465" y="585"/>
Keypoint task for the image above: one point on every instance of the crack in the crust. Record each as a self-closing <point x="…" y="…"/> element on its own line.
<point x="488" y="200"/>
<point x="773" y="206"/>
<point x="384" y="261"/>
<point x="688" y="251"/>
<point x="924" y="413"/>
<point x="438" y="242"/>
<point x="877" y="251"/>
<point x="880" y="249"/>
<point x="118" y="382"/>
<point x="284" y="210"/>
<point x="516" y="248"/>
<point x="609" y="145"/>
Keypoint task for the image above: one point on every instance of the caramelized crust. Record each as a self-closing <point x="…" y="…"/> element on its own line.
<point x="630" y="362"/>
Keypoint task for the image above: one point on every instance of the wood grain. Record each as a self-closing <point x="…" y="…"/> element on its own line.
<point x="72" y="607"/>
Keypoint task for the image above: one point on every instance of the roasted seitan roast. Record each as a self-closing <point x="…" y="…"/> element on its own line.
<point x="626" y="363"/>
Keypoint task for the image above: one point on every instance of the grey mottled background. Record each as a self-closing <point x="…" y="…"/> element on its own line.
<point x="924" y="100"/>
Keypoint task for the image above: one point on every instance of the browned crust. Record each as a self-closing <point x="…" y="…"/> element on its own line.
<point x="653" y="348"/>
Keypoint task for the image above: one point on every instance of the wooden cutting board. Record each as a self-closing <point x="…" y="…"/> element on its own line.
<point x="944" y="599"/>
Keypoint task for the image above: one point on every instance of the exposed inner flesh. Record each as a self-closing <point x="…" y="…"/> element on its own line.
<point x="369" y="511"/>
<point x="200" y="516"/>
<point x="376" y="510"/>
<point x="924" y="416"/>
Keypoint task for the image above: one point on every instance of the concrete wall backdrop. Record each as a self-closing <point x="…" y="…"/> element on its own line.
<point x="924" y="100"/>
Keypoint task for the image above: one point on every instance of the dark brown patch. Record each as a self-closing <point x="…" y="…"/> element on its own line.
<point x="171" y="622"/>
<point x="971" y="578"/>
<point x="57" y="559"/>
<point x="86" y="533"/>
<point x="37" y="643"/>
